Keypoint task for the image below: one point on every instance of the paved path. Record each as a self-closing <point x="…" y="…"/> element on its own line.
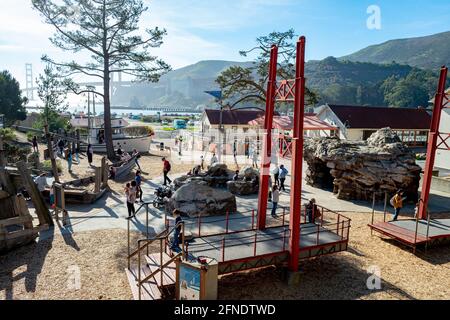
<point x="110" y="211"/>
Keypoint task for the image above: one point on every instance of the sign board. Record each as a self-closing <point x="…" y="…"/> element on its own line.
<point x="189" y="283"/>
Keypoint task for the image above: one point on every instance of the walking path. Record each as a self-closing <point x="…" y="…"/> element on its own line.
<point x="110" y="211"/>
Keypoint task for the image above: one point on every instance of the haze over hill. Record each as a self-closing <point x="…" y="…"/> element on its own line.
<point x="429" y="52"/>
<point x="355" y="78"/>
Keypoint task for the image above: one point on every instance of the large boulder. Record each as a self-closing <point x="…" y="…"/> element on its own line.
<point x="242" y="187"/>
<point x="197" y="198"/>
<point x="218" y="169"/>
<point x="250" y="173"/>
<point x="357" y="169"/>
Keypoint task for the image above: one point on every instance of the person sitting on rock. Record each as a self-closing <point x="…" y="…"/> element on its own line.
<point x="195" y="171"/>
<point x="236" y="176"/>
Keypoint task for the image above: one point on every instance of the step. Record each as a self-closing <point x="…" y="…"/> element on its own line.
<point x="169" y="272"/>
<point x="149" y="290"/>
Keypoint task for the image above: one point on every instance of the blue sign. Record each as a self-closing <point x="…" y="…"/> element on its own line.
<point x="216" y="94"/>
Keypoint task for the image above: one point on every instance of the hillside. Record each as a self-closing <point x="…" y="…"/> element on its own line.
<point x="429" y="52"/>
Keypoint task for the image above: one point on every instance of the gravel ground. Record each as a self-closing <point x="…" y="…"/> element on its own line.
<point x="46" y="270"/>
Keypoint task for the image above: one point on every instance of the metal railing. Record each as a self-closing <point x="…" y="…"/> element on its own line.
<point x="328" y="222"/>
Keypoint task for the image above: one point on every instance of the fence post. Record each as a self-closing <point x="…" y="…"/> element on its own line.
<point x="254" y="248"/>
<point x="385" y="205"/>
<point x="128" y="236"/>
<point x="223" y="249"/>
<point x="318" y="232"/>
<point x="199" y="223"/>
<point x="253" y="218"/>
<point x="321" y="219"/>
<point x="284" y="216"/>
<point x="227" y="222"/>
<point x="337" y="225"/>
<point x="284" y="239"/>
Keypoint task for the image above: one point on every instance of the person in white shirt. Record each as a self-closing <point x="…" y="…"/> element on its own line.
<point x="41" y="182"/>
<point x="214" y="159"/>
<point x="255" y="159"/>
<point x="275" y="199"/>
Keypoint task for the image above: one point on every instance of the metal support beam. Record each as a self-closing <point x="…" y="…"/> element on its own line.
<point x="432" y="144"/>
<point x="297" y="156"/>
<point x="267" y="140"/>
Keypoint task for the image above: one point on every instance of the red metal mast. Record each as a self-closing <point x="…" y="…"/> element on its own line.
<point x="437" y="140"/>
<point x="267" y="140"/>
<point x="297" y="156"/>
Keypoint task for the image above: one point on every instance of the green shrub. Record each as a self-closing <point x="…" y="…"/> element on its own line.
<point x="8" y="134"/>
<point x="47" y="165"/>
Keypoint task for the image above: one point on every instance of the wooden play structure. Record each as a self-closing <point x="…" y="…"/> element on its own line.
<point x="250" y="243"/>
<point x="424" y="230"/>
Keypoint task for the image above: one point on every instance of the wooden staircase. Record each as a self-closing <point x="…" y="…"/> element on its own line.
<point x="153" y="289"/>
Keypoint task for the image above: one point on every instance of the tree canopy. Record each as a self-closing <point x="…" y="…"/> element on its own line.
<point x="12" y="103"/>
<point x="108" y="30"/>
<point x="240" y="84"/>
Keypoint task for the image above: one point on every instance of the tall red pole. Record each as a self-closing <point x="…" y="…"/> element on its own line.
<point x="432" y="142"/>
<point x="297" y="156"/>
<point x="267" y="140"/>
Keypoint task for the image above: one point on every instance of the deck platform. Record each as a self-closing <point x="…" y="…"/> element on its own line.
<point x="404" y="231"/>
<point x="249" y="249"/>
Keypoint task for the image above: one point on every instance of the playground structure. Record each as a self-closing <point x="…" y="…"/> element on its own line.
<point x="250" y="243"/>
<point x="423" y="230"/>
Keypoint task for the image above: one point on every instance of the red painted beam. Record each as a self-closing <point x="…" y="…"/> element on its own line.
<point x="267" y="140"/>
<point x="432" y="144"/>
<point x="297" y="156"/>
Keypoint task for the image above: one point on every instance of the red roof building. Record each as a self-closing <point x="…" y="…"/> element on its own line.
<point x="359" y="122"/>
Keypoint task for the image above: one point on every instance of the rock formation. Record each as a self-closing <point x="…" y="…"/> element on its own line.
<point x="247" y="184"/>
<point x="354" y="170"/>
<point x="197" y="198"/>
<point x="217" y="176"/>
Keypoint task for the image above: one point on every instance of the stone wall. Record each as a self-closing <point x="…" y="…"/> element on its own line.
<point x="355" y="170"/>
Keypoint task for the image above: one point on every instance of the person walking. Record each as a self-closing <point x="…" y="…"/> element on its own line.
<point x="176" y="237"/>
<point x="282" y="177"/>
<point x="397" y="203"/>
<point x="255" y="159"/>
<point x="311" y="210"/>
<point x="202" y="162"/>
<point x="136" y="159"/>
<point x="69" y="160"/>
<point x="270" y="188"/>
<point x="138" y="179"/>
<point x="130" y="193"/>
<point x="166" y="169"/>
<point x="35" y="144"/>
<point x="90" y="153"/>
<point x="275" y="199"/>
<point x="276" y="174"/>
<point x="77" y="153"/>
<point x="61" y="147"/>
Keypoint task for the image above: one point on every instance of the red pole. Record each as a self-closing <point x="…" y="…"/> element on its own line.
<point x="297" y="155"/>
<point x="432" y="142"/>
<point x="254" y="247"/>
<point x="267" y="142"/>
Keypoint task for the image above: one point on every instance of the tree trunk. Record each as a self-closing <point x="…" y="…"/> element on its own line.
<point x="51" y="154"/>
<point x="107" y="112"/>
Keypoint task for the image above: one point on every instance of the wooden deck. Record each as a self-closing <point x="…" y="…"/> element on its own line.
<point x="404" y="231"/>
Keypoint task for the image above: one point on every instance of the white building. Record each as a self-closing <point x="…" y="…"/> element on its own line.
<point x="359" y="122"/>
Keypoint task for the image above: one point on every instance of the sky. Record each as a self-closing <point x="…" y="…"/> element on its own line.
<point x="218" y="29"/>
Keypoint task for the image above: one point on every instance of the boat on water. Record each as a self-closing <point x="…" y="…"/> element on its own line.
<point x="96" y="135"/>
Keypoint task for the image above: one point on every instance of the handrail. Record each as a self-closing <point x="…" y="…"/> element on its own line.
<point x="140" y="282"/>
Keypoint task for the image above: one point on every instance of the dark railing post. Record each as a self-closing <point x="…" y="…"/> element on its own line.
<point x="161" y="259"/>
<point x="128" y="235"/>
<point x="146" y="222"/>
<point x="223" y="249"/>
<point x="284" y="216"/>
<point x="321" y="219"/>
<point x="385" y="205"/>
<point x="199" y="223"/>
<point x="253" y="219"/>
<point x="337" y="225"/>
<point x="227" y="222"/>
<point x="139" y="269"/>
<point x="284" y="239"/>
<point x="318" y="232"/>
